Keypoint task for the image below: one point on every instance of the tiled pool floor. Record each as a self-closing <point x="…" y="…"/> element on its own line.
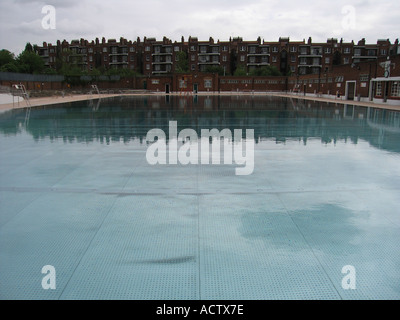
<point x="115" y="227"/>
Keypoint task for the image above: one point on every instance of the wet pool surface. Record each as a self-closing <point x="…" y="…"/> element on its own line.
<point x="318" y="217"/>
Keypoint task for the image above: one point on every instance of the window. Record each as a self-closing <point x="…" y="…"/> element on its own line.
<point x="378" y="88"/>
<point x="327" y="60"/>
<point x="193" y="57"/>
<point x="346" y="60"/>
<point x="182" y="83"/>
<point x="104" y="49"/>
<point x="328" y="50"/>
<point x="293" y="69"/>
<point x="274" y="49"/>
<point x="193" y="67"/>
<point x="224" y="58"/>
<point x="346" y="50"/>
<point x="339" y="79"/>
<point x="395" y="92"/>
<point x="207" y="83"/>
<point x="315" y="62"/>
<point x="147" y="67"/>
<point x="357" y="52"/>
<point x="383" y="52"/>
<point x="265" y="50"/>
<point x="147" y="58"/>
<point x="147" y="48"/>
<point x="274" y="59"/>
<point x="364" y="77"/>
<point x="176" y="48"/>
<point x="303" y="51"/>
<point x="293" y="58"/>
<point x="242" y="58"/>
<point x="90" y="58"/>
<point x="293" y="49"/>
<point x="131" y="49"/>
<point x="192" y="48"/>
<point x="242" y="48"/>
<point x="132" y="57"/>
<point x="105" y="58"/>
<point x="225" y="48"/>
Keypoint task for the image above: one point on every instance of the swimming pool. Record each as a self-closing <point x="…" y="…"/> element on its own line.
<point x="317" y="218"/>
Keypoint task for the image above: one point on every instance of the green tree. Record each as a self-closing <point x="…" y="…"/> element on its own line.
<point x="30" y="62"/>
<point x="215" y="69"/>
<point x="28" y="47"/>
<point x="49" y="71"/>
<point x="182" y="64"/>
<point x="240" y="71"/>
<point x="266" y="71"/>
<point x="9" y="67"/>
<point x="6" y="57"/>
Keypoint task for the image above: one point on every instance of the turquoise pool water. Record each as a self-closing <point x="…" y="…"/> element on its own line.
<point x="78" y="194"/>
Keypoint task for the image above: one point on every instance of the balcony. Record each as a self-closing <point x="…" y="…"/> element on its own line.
<point x="202" y="53"/>
<point x="364" y="57"/>
<point x="161" y="54"/>
<point x="258" y="54"/>
<point x="258" y="64"/>
<point x="309" y="65"/>
<point x="209" y="62"/>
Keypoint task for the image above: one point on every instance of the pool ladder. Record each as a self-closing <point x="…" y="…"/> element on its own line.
<point x="21" y="91"/>
<point x="95" y="89"/>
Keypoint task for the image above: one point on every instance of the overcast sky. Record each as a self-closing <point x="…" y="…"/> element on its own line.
<point x="21" y="20"/>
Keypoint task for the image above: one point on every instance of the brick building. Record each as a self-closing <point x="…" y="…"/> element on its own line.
<point x="153" y="57"/>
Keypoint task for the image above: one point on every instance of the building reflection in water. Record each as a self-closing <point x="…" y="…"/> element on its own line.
<point x="272" y="118"/>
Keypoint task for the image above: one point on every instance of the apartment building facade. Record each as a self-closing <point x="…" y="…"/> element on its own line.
<point x="156" y="57"/>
